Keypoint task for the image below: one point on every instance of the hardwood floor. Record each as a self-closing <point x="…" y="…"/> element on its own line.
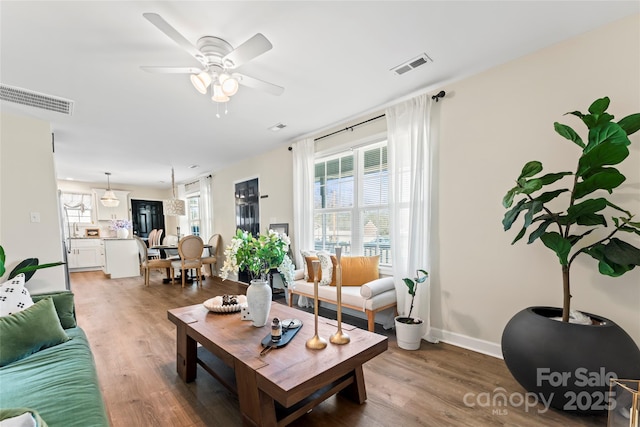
<point x="134" y="349"/>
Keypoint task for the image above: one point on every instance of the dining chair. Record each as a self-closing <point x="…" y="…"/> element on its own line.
<point x="152" y="240"/>
<point x="157" y="240"/>
<point x="212" y="259"/>
<point x="147" y="264"/>
<point x="151" y="237"/>
<point x="190" y="251"/>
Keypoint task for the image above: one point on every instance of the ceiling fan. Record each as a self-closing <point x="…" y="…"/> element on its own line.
<point x="218" y="61"/>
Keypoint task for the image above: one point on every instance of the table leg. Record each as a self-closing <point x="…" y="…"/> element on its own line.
<point x="356" y="391"/>
<point x="257" y="408"/>
<point x="186" y="354"/>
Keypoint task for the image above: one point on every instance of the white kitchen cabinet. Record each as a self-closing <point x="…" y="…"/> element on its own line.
<point x="84" y="254"/>
<point x="105" y="213"/>
<point x="121" y="258"/>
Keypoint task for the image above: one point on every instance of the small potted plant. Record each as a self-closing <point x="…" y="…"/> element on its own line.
<point x="409" y="330"/>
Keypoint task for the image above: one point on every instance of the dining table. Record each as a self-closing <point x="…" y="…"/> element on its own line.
<point x="171" y="252"/>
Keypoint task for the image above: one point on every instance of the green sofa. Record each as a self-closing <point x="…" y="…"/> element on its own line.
<point x="58" y="383"/>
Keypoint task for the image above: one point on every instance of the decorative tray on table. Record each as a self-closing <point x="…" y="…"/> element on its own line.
<point x="226" y="303"/>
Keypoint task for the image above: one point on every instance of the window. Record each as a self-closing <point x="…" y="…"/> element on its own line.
<point x="193" y="214"/>
<point x="351" y="205"/>
<point x="76" y="207"/>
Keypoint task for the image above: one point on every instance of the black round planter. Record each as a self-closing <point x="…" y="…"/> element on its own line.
<point x="565" y="364"/>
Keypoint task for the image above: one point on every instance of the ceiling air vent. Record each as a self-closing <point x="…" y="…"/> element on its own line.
<point x="412" y="64"/>
<point x="35" y="99"/>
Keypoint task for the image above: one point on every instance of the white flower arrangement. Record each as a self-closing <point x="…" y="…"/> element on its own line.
<point x="258" y="255"/>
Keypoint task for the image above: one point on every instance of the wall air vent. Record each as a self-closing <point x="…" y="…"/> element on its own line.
<point x="35" y="99"/>
<point x="412" y="64"/>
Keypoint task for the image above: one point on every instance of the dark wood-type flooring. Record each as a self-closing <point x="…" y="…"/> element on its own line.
<point x="134" y="348"/>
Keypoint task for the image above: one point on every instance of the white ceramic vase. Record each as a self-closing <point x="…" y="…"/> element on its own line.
<point x="259" y="302"/>
<point x="122" y="233"/>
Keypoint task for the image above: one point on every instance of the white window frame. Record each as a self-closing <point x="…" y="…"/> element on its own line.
<point x="357" y="209"/>
<point x="191" y="221"/>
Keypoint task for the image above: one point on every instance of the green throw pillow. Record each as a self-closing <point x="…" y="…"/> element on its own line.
<point x="29" y="331"/>
<point x="63" y="300"/>
<point x="11" y="413"/>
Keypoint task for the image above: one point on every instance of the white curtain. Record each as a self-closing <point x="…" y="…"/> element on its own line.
<point x="206" y="208"/>
<point x="303" y="172"/>
<point x="410" y="166"/>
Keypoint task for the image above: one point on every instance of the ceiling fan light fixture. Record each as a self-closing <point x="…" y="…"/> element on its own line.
<point x="218" y="94"/>
<point x="201" y="82"/>
<point x="229" y="84"/>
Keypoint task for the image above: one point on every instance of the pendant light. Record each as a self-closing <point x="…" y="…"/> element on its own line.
<point x="175" y="206"/>
<point x="109" y="198"/>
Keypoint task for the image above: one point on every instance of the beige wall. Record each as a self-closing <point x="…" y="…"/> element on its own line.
<point x="491" y="125"/>
<point x="274" y="171"/>
<point x="27" y="184"/>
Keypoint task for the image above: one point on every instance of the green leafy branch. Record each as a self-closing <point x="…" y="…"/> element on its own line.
<point x="605" y="147"/>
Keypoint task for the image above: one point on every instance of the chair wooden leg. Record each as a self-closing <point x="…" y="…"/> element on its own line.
<point x="200" y="276"/>
<point x="183" y="275"/>
<point x="146" y="277"/>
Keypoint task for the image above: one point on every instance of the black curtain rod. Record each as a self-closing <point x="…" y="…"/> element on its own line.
<point x="435" y="97"/>
<point x="349" y="128"/>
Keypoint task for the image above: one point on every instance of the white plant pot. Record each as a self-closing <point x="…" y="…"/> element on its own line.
<point x="259" y="302"/>
<point x="409" y="335"/>
<point x="122" y="233"/>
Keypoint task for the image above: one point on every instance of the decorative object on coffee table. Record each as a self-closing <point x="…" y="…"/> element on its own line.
<point x="226" y="303"/>
<point x="259" y="302"/>
<point x="339" y="337"/>
<point x="258" y="256"/>
<point x="624" y="403"/>
<point x="316" y="342"/>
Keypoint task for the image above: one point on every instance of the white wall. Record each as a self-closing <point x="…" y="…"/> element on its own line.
<point x="273" y="170"/>
<point x="27" y="184"/>
<point x="491" y="125"/>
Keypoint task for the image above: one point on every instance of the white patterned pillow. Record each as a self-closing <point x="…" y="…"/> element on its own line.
<point x="14" y="297"/>
<point x="326" y="266"/>
<point x="306" y="254"/>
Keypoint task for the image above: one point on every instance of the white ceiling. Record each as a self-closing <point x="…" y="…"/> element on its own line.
<point x="333" y="58"/>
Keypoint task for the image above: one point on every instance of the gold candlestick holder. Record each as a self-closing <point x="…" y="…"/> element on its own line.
<point x="339" y="337"/>
<point x="316" y="342"/>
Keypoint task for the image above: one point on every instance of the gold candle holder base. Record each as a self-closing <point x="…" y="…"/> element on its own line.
<point x="316" y="343"/>
<point x="340" y="338"/>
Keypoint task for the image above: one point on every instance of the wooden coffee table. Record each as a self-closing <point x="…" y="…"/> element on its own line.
<point x="285" y="383"/>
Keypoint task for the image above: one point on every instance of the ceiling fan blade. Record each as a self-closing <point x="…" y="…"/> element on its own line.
<point x="255" y="46"/>
<point x="172" y="70"/>
<point x="254" y="83"/>
<point x="174" y="35"/>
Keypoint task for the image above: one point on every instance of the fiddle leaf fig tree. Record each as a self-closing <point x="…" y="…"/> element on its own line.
<point x="585" y="206"/>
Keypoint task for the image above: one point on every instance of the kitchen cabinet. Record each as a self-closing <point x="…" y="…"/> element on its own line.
<point x="84" y="254"/>
<point x="121" y="258"/>
<point x="105" y="213"/>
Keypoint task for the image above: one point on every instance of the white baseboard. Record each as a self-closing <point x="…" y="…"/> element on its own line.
<point x="464" y="341"/>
